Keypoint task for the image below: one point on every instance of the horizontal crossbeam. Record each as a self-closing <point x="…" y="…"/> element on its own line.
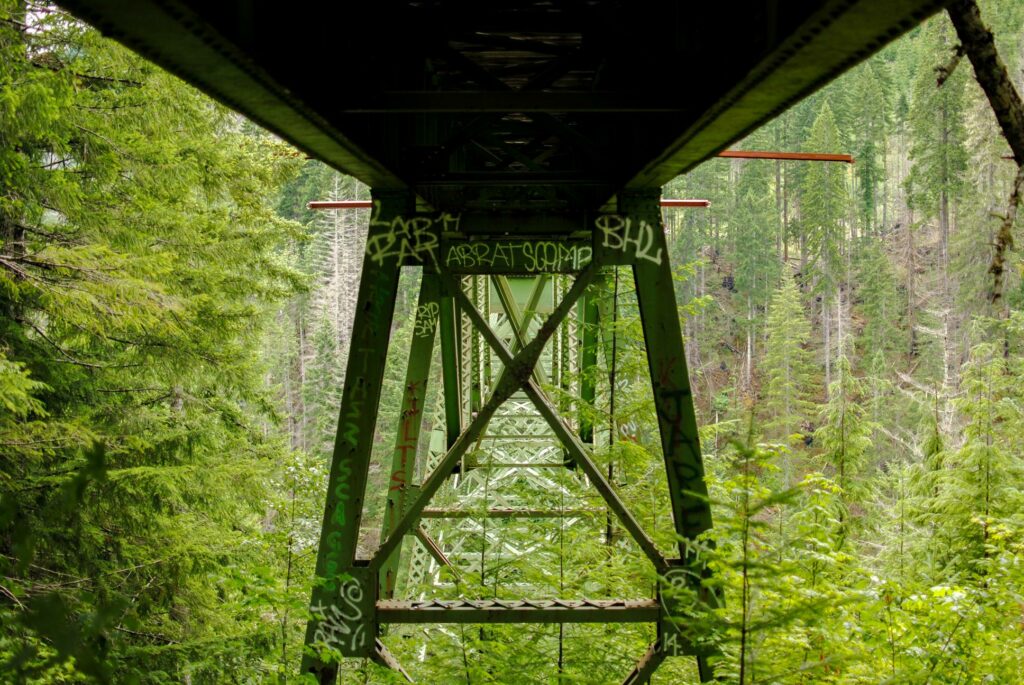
<point x="501" y="102"/>
<point x="521" y="611"/>
<point x="520" y="464"/>
<point x="665" y="202"/>
<point x="508" y="513"/>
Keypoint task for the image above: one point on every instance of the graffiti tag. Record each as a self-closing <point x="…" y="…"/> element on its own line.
<point x="341" y="626"/>
<point x="408" y="239"/>
<point x="519" y="256"/>
<point x="621" y="233"/>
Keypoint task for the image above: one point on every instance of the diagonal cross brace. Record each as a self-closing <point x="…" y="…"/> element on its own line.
<point x="383" y="656"/>
<point x="517" y="372"/>
<point x="434" y="550"/>
<point x="568" y="439"/>
<point x="646" y="666"/>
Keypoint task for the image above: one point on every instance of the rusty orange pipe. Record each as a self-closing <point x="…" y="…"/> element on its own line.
<point x="340" y="204"/>
<point x="795" y="156"/>
<point x="667" y="202"/>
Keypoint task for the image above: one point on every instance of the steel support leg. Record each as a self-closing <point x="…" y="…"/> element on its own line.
<point x="670" y="381"/>
<point x="340" y="602"/>
<point x="588" y="363"/>
<point x="673" y="399"/>
<point x="451" y="368"/>
<point x="403" y="463"/>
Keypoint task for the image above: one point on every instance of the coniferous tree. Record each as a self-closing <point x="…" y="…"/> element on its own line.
<point x="845" y="439"/>
<point x="980" y="485"/>
<point x="756" y="264"/>
<point x="823" y="211"/>
<point x="139" y="259"/>
<point x="789" y="366"/>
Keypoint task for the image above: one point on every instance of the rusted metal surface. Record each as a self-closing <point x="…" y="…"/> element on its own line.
<point x="790" y="156"/>
<point x="645" y="666"/>
<point x="430" y="513"/>
<point x="519" y="611"/>
<point x="671" y="202"/>
<point x="340" y="204"/>
<point x="383" y="656"/>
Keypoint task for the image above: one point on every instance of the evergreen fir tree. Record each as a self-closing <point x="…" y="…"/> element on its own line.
<point x="980" y="485"/>
<point x="823" y="199"/>
<point x="845" y="439"/>
<point x="789" y="368"/>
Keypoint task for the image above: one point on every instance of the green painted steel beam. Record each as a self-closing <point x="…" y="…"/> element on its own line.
<point x="451" y="368"/>
<point x="517" y="371"/>
<point x="555" y="254"/>
<point x="588" y="362"/>
<point x="666" y="358"/>
<point x="677" y="420"/>
<point x="341" y="589"/>
<point x="407" y="438"/>
<point x="516" y="317"/>
<point x="576" y="451"/>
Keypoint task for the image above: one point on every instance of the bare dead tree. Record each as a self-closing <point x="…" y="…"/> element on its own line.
<point x="977" y="42"/>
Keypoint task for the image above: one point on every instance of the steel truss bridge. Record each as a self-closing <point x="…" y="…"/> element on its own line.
<point x="516" y="150"/>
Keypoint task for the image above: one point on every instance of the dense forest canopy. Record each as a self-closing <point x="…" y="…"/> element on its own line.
<point x="174" y="324"/>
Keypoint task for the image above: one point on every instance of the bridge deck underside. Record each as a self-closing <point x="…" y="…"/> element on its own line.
<point x="509" y="105"/>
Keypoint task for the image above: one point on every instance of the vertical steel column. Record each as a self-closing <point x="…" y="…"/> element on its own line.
<point x="588" y="361"/>
<point x="565" y="371"/>
<point x="451" y="368"/>
<point x="476" y="390"/>
<point x="677" y="421"/>
<point x="343" y="601"/>
<point x="666" y="359"/>
<point x="417" y="375"/>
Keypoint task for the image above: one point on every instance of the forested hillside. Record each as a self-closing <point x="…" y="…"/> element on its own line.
<point x="174" y="326"/>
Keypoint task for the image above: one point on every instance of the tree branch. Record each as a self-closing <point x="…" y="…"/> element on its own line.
<point x="991" y="74"/>
<point x="946" y="70"/>
<point x="1004" y="238"/>
<point x="989" y="70"/>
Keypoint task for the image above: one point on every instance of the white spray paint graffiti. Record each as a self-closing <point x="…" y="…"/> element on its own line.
<point x="412" y="238"/>
<point x="629" y="429"/>
<point x="624" y="234"/>
<point x="529" y="256"/>
<point x="671" y="644"/>
<point x="672" y="641"/>
<point x="342" y="627"/>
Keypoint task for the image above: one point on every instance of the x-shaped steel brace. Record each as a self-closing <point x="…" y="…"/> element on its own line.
<point x="567" y="437"/>
<point x="516" y="375"/>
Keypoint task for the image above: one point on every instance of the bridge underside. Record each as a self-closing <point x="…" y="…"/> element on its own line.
<point x="505" y="140"/>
